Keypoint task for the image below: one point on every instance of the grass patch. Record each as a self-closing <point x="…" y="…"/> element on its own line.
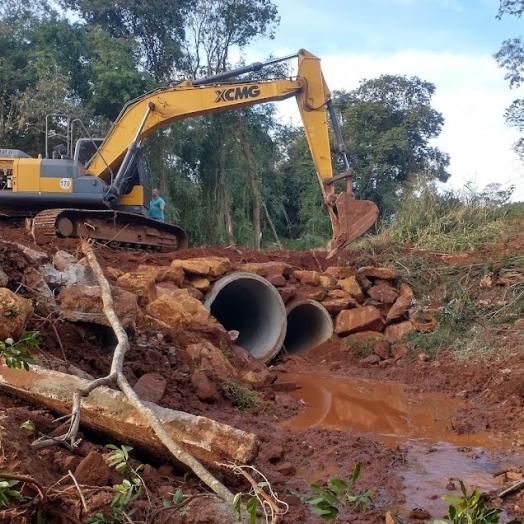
<point x="450" y="221"/>
<point x="361" y="348"/>
<point x="242" y="398"/>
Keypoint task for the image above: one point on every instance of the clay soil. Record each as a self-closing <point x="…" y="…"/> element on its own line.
<point x="289" y="458"/>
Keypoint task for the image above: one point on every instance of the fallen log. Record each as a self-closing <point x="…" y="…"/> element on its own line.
<point x="108" y="411"/>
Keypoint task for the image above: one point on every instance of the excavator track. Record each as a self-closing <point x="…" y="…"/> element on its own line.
<point x="116" y="228"/>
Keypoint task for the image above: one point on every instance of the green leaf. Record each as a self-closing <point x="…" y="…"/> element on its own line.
<point x="178" y="496"/>
<point x="237" y="506"/>
<point x="317" y="499"/>
<point x="29" y="336"/>
<point x="251" y="508"/>
<point x="356" y="471"/>
<point x="452" y="499"/>
<point x="338" y="486"/>
<point x="28" y="424"/>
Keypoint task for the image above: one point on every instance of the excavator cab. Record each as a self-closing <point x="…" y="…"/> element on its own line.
<point x="85" y="149"/>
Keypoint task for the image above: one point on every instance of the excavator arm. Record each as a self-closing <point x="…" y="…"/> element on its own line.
<point x="350" y="218"/>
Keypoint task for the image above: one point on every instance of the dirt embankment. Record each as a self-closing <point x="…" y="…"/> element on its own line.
<point x="290" y="459"/>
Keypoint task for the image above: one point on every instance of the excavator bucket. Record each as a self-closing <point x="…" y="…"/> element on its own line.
<point x="355" y="217"/>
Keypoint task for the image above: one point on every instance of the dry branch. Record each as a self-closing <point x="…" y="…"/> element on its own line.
<point x="116" y="367"/>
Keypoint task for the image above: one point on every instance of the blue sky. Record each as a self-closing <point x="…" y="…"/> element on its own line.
<point x="447" y="42"/>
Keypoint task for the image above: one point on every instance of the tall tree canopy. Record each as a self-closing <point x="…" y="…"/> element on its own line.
<point x="511" y="58"/>
<point x="215" y="28"/>
<point x="156" y="27"/>
<point x="388" y="124"/>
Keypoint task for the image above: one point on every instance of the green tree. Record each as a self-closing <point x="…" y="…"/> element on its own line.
<point x="388" y="124"/>
<point x="114" y="78"/>
<point x="511" y="58"/>
<point x="306" y="216"/>
<point x="218" y="162"/>
<point x="156" y="27"/>
<point x="214" y="28"/>
<point x="50" y="65"/>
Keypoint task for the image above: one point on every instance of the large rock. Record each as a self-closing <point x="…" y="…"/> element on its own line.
<point x="15" y="312"/>
<point x="208" y="510"/>
<point x="81" y="303"/>
<point x="250" y="369"/>
<point x="62" y="259"/>
<point x="336" y="305"/>
<point x="151" y="387"/>
<point x="366" y="318"/>
<point x="378" y="272"/>
<point x="170" y="311"/>
<point x="395" y="332"/>
<point x="307" y="277"/>
<point x="264" y="269"/>
<point x="35" y="255"/>
<point x="209" y="358"/>
<point x="276" y="280"/>
<point x="163" y="273"/>
<point x="207" y="266"/>
<point x="340" y="272"/>
<point x="4" y="279"/>
<point x="287" y="293"/>
<point x="312" y="293"/>
<point x="383" y="293"/>
<point x="192" y="267"/>
<point x="201" y="283"/>
<point x="399" y="309"/>
<point x="93" y="471"/>
<point x="34" y="281"/>
<point x="350" y="286"/>
<point x="205" y="390"/>
<point x="218" y="266"/>
<point x="72" y="274"/>
<point x="328" y="282"/>
<point x="406" y="291"/>
<point x="177" y="313"/>
<point x="142" y="285"/>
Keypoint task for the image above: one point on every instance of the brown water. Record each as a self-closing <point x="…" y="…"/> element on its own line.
<point x="421" y="423"/>
<point x="383" y="408"/>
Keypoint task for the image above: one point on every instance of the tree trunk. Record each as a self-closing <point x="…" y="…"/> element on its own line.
<point x="222" y="186"/>
<point x="109" y="412"/>
<point x="253" y="179"/>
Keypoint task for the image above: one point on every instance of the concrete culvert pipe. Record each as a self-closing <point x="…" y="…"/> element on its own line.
<point x="251" y="305"/>
<point x="308" y="325"/>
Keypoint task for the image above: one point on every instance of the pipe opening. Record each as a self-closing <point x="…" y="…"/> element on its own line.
<point x="308" y="325"/>
<point x="251" y="305"/>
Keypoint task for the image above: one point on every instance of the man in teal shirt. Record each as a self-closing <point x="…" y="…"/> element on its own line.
<point x="156" y="206"/>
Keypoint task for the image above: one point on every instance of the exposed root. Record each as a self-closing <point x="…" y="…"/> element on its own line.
<point x="272" y="507"/>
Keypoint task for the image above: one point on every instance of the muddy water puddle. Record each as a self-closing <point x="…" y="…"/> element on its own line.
<point x="420" y="423"/>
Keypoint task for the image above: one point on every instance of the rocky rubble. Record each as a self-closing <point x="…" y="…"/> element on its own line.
<point x="366" y="303"/>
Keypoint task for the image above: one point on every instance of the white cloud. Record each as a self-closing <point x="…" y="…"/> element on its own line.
<point x="471" y="94"/>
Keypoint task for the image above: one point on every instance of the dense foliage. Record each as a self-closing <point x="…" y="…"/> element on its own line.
<point x="235" y="177"/>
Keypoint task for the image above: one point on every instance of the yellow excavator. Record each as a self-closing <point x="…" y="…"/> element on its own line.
<point x="99" y="190"/>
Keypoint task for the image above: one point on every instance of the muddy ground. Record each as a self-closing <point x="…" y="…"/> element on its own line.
<point x="482" y="400"/>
